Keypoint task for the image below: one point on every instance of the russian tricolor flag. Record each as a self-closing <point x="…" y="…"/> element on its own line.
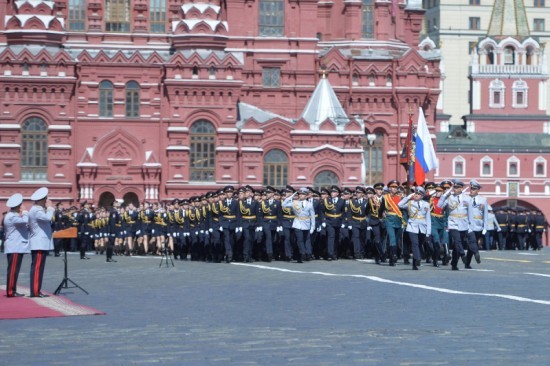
<point x="425" y="159"/>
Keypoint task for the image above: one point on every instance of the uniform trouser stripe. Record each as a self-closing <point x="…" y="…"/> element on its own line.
<point x="11" y="273"/>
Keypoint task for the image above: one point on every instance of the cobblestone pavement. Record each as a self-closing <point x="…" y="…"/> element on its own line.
<point x="343" y="312"/>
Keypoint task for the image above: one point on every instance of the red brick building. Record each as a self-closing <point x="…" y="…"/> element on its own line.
<point x="505" y="141"/>
<point x="151" y="100"/>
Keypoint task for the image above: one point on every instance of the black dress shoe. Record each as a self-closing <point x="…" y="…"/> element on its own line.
<point x="435" y="264"/>
<point x="40" y="295"/>
<point x="463" y="258"/>
<point x="454" y="268"/>
<point x="478" y="258"/>
<point x="15" y="294"/>
<point x="467" y="266"/>
<point x="110" y="260"/>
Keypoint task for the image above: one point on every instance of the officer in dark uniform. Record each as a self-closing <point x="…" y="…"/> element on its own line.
<point x="540" y="225"/>
<point x="215" y="233"/>
<point x="249" y="222"/>
<point x="271" y="214"/>
<point x="375" y="223"/>
<point x="357" y="219"/>
<point x="85" y="219"/>
<point x="114" y="225"/>
<point x="60" y="222"/>
<point x="229" y="221"/>
<point x="333" y="213"/>
<point x="288" y="235"/>
<point x="501" y="214"/>
<point x="522" y="228"/>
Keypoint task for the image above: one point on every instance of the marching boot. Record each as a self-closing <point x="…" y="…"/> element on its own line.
<point x="415" y="264"/>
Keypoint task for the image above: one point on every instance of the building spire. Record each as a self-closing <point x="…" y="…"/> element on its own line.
<point x="508" y="19"/>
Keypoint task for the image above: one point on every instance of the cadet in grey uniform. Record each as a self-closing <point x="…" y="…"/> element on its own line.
<point x="40" y="237"/>
<point x="419" y="223"/>
<point x="304" y="220"/>
<point x="455" y="202"/>
<point x="17" y="241"/>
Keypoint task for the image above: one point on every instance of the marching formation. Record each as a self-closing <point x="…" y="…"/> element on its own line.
<point x="438" y="223"/>
<point x="435" y="222"/>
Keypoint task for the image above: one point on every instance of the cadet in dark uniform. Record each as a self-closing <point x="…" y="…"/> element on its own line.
<point x="357" y="219"/>
<point x="229" y="221"/>
<point x="85" y="218"/>
<point x="271" y="219"/>
<point x="114" y="226"/>
<point x="289" y="237"/>
<point x="249" y="222"/>
<point x="333" y="213"/>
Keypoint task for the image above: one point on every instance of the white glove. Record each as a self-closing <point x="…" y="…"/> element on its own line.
<point x="221" y="228"/>
<point x="206" y="233"/>
<point x="174" y="235"/>
<point x="239" y="229"/>
<point x="529" y="230"/>
<point x="138" y="232"/>
<point x="279" y="228"/>
<point x="211" y="230"/>
<point x="152" y="231"/>
<point x="311" y="230"/>
<point x="470" y="230"/>
<point x="196" y="233"/>
<point x="319" y="229"/>
<point x="369" y="228"/>
<point x="484" y="232"/>
<point x="256" y="230"/>
<point x="349" y="227"/>
<point x="343" y="226"/>
<point x="202" y="231"/>
<point x="499" y="230"/>
<point x="427" y="236"/>
<point x="260" y="229"/>
<point x="324" y="224"/>
<point x="410" y="196"/>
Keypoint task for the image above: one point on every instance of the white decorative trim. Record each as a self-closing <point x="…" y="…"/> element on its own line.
<point x="177" y="148"/>
<point x="178" y="129"/>
<point x="226" y="148"/>
<point x="60" y="146"/>
<point x="9" y="146"/>
<point x="10" y="127"/>
<point x="327" y="146"/>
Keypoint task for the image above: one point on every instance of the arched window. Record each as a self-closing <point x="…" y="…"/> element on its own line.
<point x="539" y="167"/>
<point x="105" y="99"/>
<point x="367" y="29"/>
<point x="275" y="168"/>
<point x="157" y="16"/>
<point x="203" y="152"/>
<point x="459" y="167"/>
<point x="374" y="157"/>
<point x="513" y="167"/>
<point x="486" y="167"/>
<point x="509" y="55"/>
<point x="325" y="179"/>
<point x="117" y="15"/>
<point x="519" y="89"/>
<point x="272" y="18"/>
<point x="34" y="149"/>
<point x="132" y="99"/>
<point x="76" y="18"/>
<point x="496" y="96"/>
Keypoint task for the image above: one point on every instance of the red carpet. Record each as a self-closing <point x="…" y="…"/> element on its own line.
<point x="47" y="307"/>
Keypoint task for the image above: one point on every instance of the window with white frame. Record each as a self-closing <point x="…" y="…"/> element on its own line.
<point x="540" y="167"/>
<point x="513" y="167"/>
<point x="519" y="89"/>
<point x="459" y="166"/>
<point x="486" y="167"/>
<point x="496" y="97"/>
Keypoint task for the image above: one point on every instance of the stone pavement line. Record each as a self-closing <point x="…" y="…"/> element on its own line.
<point x="537" y="274"/>
<point x="508" y="260"/>
<point x="408" y="284"/>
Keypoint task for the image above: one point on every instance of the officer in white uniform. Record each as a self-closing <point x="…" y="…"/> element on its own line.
<point x="40" y="237"/>
<point x="304" y="220"/>
<point x="17" y="241"/>
<point x="478" y="218"/>
<point x="419" y="223"/>
<point x="456" y="203"/>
